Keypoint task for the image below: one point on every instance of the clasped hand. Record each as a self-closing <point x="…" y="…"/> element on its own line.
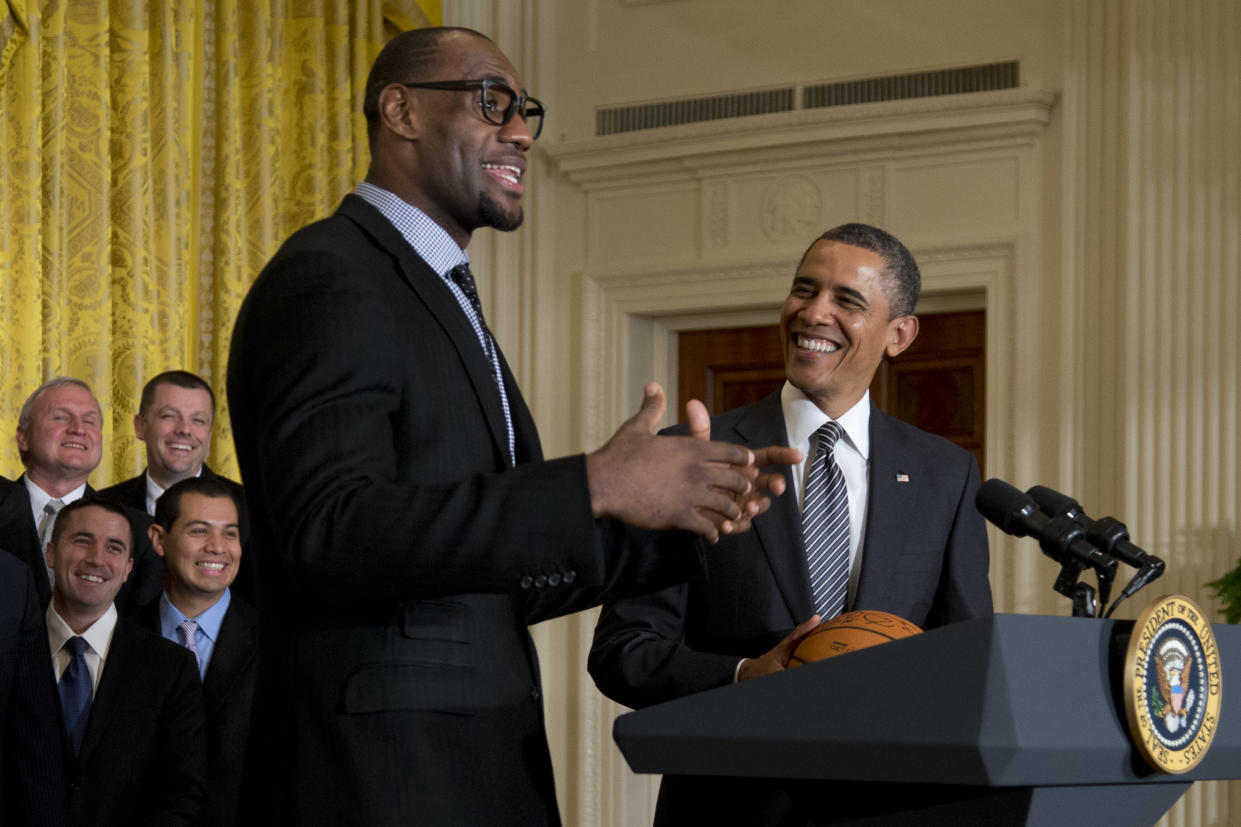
<point x="682" y="482"/>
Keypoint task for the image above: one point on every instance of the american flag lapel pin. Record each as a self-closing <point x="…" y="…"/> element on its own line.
<point x="902" y="477"/>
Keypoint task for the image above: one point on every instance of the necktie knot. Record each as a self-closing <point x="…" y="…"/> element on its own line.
<point x="463" y="278"/>
<point x="53" y="506"/>
<point x="76" y="646"/>
<point x="827" y="436"/>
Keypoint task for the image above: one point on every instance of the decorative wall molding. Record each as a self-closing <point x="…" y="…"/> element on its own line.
<point x="875" y="129"/>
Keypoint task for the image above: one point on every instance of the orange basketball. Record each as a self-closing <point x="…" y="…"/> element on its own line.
<point x="849" y="632"/>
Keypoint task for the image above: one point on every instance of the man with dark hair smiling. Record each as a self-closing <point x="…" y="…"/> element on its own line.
<point x="196" y="532"/>
<point x="174" y="420"/>
<point x="409" y="529"/>
<point x="176" y="414"/>
<point x="130" y="701"/>
<point x="904" y="536"/>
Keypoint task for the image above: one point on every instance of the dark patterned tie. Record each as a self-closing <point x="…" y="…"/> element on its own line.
<point x="463" y="278"/>
<point x="825" y="526"/>
<point x="75" y="692"/>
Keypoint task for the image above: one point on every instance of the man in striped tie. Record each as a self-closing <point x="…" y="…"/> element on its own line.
<point x="197" y="530"/>
<point x="883" y="518"/>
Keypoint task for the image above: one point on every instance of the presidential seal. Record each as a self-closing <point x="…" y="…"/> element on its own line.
<point x="1172" y="684"/>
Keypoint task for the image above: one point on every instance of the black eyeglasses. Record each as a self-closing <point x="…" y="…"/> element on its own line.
<point x="499" y="102"/>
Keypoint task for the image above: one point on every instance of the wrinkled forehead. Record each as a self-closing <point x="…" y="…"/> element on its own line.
<point x="71" y="397"/>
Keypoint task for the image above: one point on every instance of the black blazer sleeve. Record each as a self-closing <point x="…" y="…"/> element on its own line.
<point x="32" y="789"/>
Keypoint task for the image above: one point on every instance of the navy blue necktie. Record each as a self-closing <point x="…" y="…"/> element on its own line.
<point x="75" y="692"/>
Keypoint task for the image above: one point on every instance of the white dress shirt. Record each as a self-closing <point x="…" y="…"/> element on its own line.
<point x="98" y="638"/>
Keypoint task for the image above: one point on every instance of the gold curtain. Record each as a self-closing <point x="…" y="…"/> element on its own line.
<point x="153" y="155"/>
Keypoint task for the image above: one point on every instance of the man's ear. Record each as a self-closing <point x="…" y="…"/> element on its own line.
<point x="156" y="532"/>
<point x="398" y="110"/>
<point x="901" y="334"/>
<point x="140" y="427"/>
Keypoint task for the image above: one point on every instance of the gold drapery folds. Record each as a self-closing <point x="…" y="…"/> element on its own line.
<point x="153" y="155"/>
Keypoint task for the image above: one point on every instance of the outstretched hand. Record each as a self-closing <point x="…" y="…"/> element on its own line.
<point x="777" y="659"/>
<point x="671" y="482"/>
<point x="765" y="485"/>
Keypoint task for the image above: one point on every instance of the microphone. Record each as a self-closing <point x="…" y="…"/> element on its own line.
<point x="1109" y="535"/>
<point x="1061" y="538"/>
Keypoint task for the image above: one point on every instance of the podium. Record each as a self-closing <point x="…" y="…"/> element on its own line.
<point x="1011" y="719"/>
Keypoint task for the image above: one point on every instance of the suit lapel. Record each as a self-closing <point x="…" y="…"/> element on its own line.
<point x="118" y="666"/>
<point x="896" y="500"/>
<point x="444" y="307"/>
<point x="235" y="647"/>
<point x="526" y="435"/>
<point x="24" y="542"/>
<point x="779" y="530"/>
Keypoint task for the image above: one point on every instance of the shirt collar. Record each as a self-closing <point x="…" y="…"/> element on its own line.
<point x="429" y="240"/>
<point x="154" y="492"/>
<point x="802" y="417"/>
<point x="39" y="498"/>
<point x="209" y="621"/>
<point x="98" y="636"/>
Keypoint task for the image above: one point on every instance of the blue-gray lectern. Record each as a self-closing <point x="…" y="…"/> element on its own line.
<point x="1011" y="719"/>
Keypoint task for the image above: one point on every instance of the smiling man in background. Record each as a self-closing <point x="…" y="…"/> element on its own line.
<point x="131" y="702"/>
<point x="60" y="442"/>
<point x="196" y="531"/>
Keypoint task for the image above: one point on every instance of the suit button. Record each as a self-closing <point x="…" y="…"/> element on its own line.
<point x="526" y="582"/>
<point x="540" y="582"/>
<point x="553" y="580"/>
<point x="535" y="694"/>
<point x="569" y="577"/>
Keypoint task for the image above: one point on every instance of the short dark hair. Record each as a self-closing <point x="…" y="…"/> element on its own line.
<point x="168" y="506"/>
<point x="96" y="501"/>
<point x="407" y="58"/>
<point x="180" y="378"/>
<point x="902" y="280"/>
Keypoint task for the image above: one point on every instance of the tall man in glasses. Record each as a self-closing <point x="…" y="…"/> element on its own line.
<point x="408" y="527"/>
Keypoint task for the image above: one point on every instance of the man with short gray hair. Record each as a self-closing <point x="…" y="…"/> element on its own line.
<point x="60" y="442"/>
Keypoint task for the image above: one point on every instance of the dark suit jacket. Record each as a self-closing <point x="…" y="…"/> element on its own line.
<point x="19" y="534"/>
<point x="228" y="698"/>
<point x="142" y="759"/>
<point x="924" y="558"/>
<point x="31" y="766"/>
<point x="132" y="493"/>
<point x="401" y="557"/>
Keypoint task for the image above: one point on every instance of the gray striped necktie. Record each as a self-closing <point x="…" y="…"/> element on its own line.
<point x="825" y="526"/>
<point x="46" y="524"/>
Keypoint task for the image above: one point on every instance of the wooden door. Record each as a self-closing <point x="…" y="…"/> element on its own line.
<point x="937" y="384"/>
